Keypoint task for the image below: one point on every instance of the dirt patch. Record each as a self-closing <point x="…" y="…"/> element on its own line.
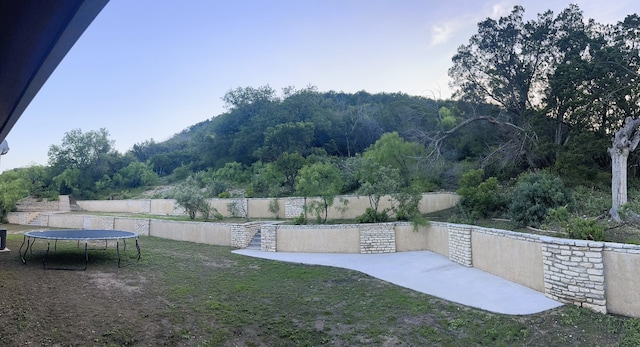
<point x="109" y="281"/>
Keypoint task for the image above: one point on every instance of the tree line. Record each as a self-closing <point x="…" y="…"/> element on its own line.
<point x="541" y="94"/>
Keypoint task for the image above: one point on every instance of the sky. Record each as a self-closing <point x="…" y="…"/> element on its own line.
<point x="148" y="69"/>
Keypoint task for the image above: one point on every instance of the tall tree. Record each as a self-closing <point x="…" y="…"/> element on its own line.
<point x="506" y="64"/>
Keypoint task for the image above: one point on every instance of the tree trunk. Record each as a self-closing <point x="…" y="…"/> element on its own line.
<point x="618" y="180"/>
<point x="625" y="141"/>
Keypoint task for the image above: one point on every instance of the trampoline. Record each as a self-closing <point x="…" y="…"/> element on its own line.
<point x="80" y="235"/>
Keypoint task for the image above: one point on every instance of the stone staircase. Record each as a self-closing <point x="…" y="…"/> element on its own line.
<point x="41" y="220"/>
<point x="256" y="242"/>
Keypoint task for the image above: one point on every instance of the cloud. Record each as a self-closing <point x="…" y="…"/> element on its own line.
<point x="501" y="9"/>
<point x="442" y="32"/>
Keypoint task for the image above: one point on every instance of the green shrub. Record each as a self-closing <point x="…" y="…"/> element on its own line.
<point x="301" y="219"/>
<point x="534" y="195"/>
<point x="585" y="229"/>
<point x="479" y="199"/>
<point x="370" y="215"/>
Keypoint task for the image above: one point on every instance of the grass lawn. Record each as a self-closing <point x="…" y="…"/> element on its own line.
<point x="187" y="294"/>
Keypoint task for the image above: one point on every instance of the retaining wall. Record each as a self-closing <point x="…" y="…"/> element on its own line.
<point x="259" y="207"/>
<point x="601" y="276"/>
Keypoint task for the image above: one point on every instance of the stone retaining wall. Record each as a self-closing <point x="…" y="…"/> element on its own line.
<point x="574" y="272"/>
<point x="242" y="234"/>
<point x="377" y="238"/>
<point x="460" y="244"/>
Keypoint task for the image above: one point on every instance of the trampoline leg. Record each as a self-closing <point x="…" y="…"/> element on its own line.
<point x="118" y="251"/>
<point x="23" y="255"/>
<point x="138" y="247"/>
<point x="46" y="254"/>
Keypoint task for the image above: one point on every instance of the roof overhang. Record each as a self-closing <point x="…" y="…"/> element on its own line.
<point x="35" y="35"/>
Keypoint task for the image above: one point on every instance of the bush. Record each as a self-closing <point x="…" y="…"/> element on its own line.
<point x="301" y="219"/>
<point x="370" y="215"/>
<point x="534" y="195"/>
<point x="585" y="229"/>
<point x="479" y="199"/>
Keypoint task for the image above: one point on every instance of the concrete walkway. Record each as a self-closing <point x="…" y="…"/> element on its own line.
<point x="430" y="273"/>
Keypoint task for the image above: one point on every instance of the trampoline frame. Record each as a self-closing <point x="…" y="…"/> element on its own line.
<point x="79" y="235"/>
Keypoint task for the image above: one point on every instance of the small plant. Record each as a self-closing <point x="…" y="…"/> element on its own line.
<point x="557" y="218"/>
<point x="274" y="207"/>
<point x="343" y="206"/>
<point x="238" y="208"/>
<point x="585" y="229"/>
<point x="372" y="216"/>
<point x="301" y="219"/>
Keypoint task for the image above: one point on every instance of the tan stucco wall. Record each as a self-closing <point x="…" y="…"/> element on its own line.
<point x="259" y="208"/>
<point x="162" y="206"/>
<point x="622" y="283"/>
<point x="438" y="238"/>
<point x="318" y="239"/>
<point x="130" y="206"/>
<point x="433" y="202"/>
<point x="208" y="233"/>
<point x="516" y="260"/>
<point x="409" y="240"/>
<point x="71" y="221"/>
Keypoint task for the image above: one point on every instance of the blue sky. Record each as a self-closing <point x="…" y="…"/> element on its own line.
<point x="147" y="69"/>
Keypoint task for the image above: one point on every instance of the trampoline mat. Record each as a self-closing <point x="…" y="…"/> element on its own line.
<point x="81" y="234"/>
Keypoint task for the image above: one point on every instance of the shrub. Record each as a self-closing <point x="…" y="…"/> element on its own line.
<point x="370" y="215"/>
<point x="585" y="229"/>
<point x="301" y="219"/>
<point x="479" y="199"/>
<point x="534" y="195"/>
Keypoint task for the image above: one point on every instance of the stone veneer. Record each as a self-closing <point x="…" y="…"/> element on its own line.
<point x="241" y="234"/>
<point x="460" y="244"/>
<point x="574" y="272"/>
<point x="293" y="207"/>
<point x="268" y="237"/>
<point x="377" y="238"/>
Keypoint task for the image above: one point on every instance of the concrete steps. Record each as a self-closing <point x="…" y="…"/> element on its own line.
<point x="256" y="242"/>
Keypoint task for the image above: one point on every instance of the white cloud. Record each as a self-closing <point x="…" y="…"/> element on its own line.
<point x="442" y="32"/>
<point x="501" y="9"/>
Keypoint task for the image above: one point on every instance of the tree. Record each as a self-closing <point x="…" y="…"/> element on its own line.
<point x="83" y="159"/>
<point x="288" y="137"/>
<point x="392" y="151"/>
<point x="136" y="174"/>
<point x="192" y="198"/>
<point x="13" y="187"/>
<point x="377" y="181"/>
<point x="322" y="180"/>
<point x="625" y="141"/>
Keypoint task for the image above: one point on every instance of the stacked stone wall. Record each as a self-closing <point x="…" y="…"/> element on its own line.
<point x="241" y="234"/>
<point x="293" y="207"/>
<point x="460" y="244"/>
<point x="377" y="238"/>
<point x="32" y="205"/>
<point x="268" y="238"/>
<point x="574" y="272"/>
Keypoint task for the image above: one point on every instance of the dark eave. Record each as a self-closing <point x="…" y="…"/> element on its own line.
<point x="35" y="35"/>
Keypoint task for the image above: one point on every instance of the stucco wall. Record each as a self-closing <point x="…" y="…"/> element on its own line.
<point x="438" y="238"/>
<point x="407" y="239"/>
<point x="622" y="281"/>
<point x="318" y="239"/>
<point x="63" y="220"/>
<point x="259" y="208"/>
<point x="200" y="232"/>
<point x="506" y="256"/>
